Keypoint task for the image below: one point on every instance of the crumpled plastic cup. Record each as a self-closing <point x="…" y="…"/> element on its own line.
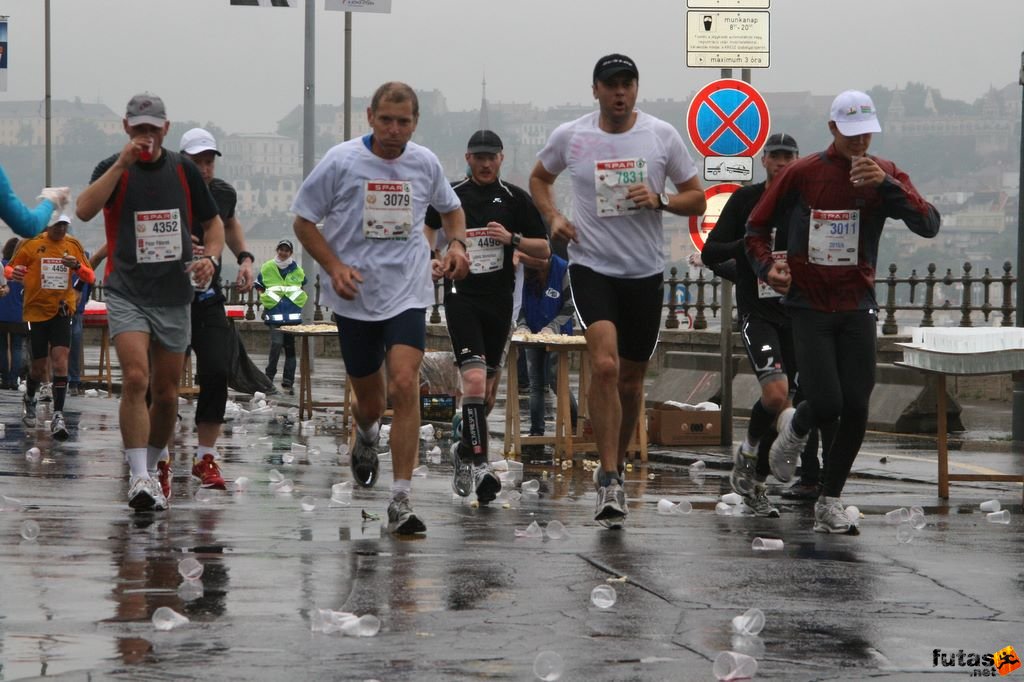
<point x="730" y="665"/>
<point x="532" y="531"/>
<point x="531" y="486"/>
<point x="166" y="618"/>
<point x="670" y="507"/>
<point x="723" y="509"/>
<point x="732" y="498"/>
<point x="190" y="568"/>
<point x="751" y="622"/>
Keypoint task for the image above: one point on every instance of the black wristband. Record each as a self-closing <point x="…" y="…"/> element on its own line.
<point x="516" y="240"/>
<point x="242" y="255"/>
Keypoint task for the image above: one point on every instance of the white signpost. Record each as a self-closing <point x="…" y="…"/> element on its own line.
<point x="727" y="40"/>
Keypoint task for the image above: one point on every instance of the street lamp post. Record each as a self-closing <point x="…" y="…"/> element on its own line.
<point x="1018" y="385"/>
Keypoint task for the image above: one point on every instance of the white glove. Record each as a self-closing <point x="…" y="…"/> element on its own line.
<point x="60" y="196"/>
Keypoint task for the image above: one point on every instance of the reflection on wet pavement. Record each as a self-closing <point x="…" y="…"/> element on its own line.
<point x="470" y="600"/>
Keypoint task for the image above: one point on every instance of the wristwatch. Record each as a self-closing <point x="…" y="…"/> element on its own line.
<point x="516" y="239"/>
<point x="662" y="201"/>
<point x="215" y="260"/>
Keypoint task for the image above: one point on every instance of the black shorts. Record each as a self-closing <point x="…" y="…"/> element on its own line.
<point x="364" y="344"/>
<point x="478" y="328"/>
<point x="50" y="333"/>
<point x="769" y="349"/>
<point x="632" y="305"/>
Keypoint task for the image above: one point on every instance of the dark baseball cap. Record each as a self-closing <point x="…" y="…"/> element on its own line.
<point x="611" y="64"/>
<point x="145" y="109"/>
<point x="781" y="142"/>
<point x="484" y="142"/>
<point x="285" y="243"/>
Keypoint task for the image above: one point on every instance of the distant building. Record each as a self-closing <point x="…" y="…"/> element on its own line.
<point x="23" y="124"/>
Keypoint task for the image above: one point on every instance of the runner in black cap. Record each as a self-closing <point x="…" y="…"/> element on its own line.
<point x="500" y="218"/>
<point x="621" y="161"/>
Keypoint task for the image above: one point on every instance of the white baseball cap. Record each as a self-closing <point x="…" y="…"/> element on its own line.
<point x="56" y="218"/>
<point x="854" y="113"/>
<point x="197" y="141"/>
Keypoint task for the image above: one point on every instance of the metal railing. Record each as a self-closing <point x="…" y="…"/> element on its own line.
<point x="914" y="300"/>
<point x="691" y="300"/>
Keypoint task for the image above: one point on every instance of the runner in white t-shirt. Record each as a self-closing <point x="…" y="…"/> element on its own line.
<point x="372" y="194"/>
<point x="619" y="159"/>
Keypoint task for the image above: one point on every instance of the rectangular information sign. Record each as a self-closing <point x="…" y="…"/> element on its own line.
<point x="727" y="40"/>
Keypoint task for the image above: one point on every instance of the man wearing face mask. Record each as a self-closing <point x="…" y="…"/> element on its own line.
<point x="833" y="205"/>
<point x="500" y="219"/>
<point x="280" y="285"/>
<point x="150" y="198"/>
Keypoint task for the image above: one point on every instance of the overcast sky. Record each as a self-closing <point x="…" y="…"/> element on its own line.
<point x="242" y="67"/>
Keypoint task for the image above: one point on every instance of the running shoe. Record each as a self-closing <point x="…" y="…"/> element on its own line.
<point x="486" y="483"/>
<point x="462" y="473"/>
<point x="58" y="429"/>
<point x="144" y="494"/>
<point x="364" y="461"/>
<point x="830" y="517"/>
<point x="757" y="501"/>
<point x="401" y="518"/>
<point x="163" y="469"/>
<point x="208" y="473"/>
<point x="785" y="451"/>
<point x="611" y="507"/>
<point x="28" y="412"/>
<point x="45" y="392"/>
<point x="744" y="468"/>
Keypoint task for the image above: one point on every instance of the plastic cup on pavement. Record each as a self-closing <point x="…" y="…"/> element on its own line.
<point x="203" y="495"/>
<point x="30" y="530"/>
<point x="275" y="476"/>
<point x="165" y="618"/>
<point x="723" y="509"/>
<point x="732" y="498"/>
<point x="548" y="666"/>
<point x="307" y="503"/>
<point x="532" y="531"/>
<point x="33" y="455"/>
<point x="991" y="506"/>
<point x="190" y="568"/>
<point x="998" y="517"/>
<point x="917" y="521"/>
<point x="366" y="625"/>
<point x="531" y="486"/>
<point x="420" y="472"/>
<point x="241" y="484"/>
<point x="555" y="530"/>
<point x="751" y="622"/>
<point x="730" y="665"/>
<point x="287" y="458"/>
<point x="853" y="514"/>
<point x="904" y="533"/>
<point x="896" y="516"/>
<point x="603" y="596"/>
<point x="670" y="507"/>
<point x="766" y="544"/>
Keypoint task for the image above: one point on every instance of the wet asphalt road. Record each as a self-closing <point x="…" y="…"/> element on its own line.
<point x="471" y="600"/>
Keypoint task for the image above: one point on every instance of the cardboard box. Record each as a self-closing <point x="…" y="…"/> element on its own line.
<point x="683" y="427"/>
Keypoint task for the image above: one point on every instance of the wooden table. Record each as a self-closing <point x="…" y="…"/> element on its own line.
<point x="566" y="442"/>
<point x="95" y="317"/>
<point x="303" y="333"/>
<point x="941" y="440"/>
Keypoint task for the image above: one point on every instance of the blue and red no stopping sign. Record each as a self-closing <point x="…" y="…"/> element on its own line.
<point x="728" y="117"/>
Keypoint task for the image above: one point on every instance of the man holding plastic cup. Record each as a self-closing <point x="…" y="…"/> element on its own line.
<point x="833" y="205"/>
<point x="148" y="210"/>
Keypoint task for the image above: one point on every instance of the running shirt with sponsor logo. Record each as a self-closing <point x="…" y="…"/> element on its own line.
<point x="372" y="211"/>
<point x="616" y="238"/>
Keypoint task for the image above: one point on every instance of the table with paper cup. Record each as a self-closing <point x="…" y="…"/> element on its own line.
<point x="303" y="333"/>
<point x="566" y="442"/>
<point x="954" y="352"/>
